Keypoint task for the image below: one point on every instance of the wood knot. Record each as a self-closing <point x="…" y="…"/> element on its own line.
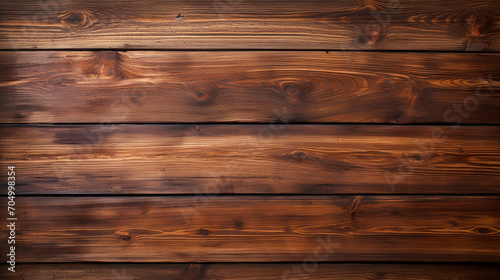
<point x="484" y="230"/>
<point x="300" y="155"/>
<point x="424" y="99"/>
<point x="126" y="237"/>
<point x="477" y="25"/>
<point x="292" y="90"/>
<point x="369" y="37"/>
<point x="239" y="224"/>
<point x="416" y="158"/>
<point x="375" y="36"/>
<point x="362" y="39"/>
<point x="203" y="93"/>
<point x="204" y="232"/>
<point x="353" y="207"/>
<point x="77" y="19"/>
<point x="476" y="19"/>
<point x="398" y="89"/>
<point x="106" y="64"/>
<point x="108" y="56"/>
<point x="74" y="18"/>
<point x="296" y="92"/>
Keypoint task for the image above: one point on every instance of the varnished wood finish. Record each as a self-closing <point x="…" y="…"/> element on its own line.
<point x="167" y="87"/>
<point x="252" y="24"/>
<point x="336" y="271"/>
<point x="251" y="139"/>
<point x="257" y="229"/>
<point x="299" y="159"/>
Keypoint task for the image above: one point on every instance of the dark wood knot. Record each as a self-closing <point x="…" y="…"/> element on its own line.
<point x="299" y="155"/>
<point x="369" y="38"/>
<point x="77" y="19"/>
<point x="483" y="230"/>
<point x="203" y="93"/>
<point x="416" y="158"/>
<point x="296" y="91"/>
<point x="126" y="238"/>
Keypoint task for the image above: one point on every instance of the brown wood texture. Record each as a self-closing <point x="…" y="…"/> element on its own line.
<point x="336" y="271"/>
<point x="251" y="24"/>
<point x="286" y="87"/>
<point x="296" y="159"/>
<point x="257" y="229"/>
<point x="250" y="139"/>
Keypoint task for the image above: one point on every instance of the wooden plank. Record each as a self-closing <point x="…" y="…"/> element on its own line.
<point x="249" y="159"/>
<point x="252" y="24"/>
<point x="167" y="87"/>
<point x="248" y="271"/>
<point x="256" y="229"/>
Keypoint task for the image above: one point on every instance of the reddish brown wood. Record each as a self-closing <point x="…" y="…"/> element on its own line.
<point x="264" y="87"/>
<point x="298" y="159"/>
<point x="252" y="24"/>
<point x="257" y="229"/>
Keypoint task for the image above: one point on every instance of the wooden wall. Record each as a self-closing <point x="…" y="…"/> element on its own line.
<point x="251" y="139"/>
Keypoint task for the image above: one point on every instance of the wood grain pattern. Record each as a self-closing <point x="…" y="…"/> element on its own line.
<point x="257" y="229"/>
<point x="285" y="87"/>
<point x="251" y="139"/>
<point x="247" y="271"/>
<point x="252" y="24"/>
<point x="302" y="159"/>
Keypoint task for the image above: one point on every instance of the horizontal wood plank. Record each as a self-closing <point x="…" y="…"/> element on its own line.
<point x="251" y="24"/>
<point x="285" y="87"/>
<point x="246" y="159"/>
<point x="248" y="271"/>
<point x="256" y="229"/>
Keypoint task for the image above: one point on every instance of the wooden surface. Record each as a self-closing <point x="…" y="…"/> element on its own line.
<point x="335" y="271"/>
<point x="258" y="229"/>
<point x="450" y="25"/>
<point x="285" y="87"/>
<point x="262" y="159"/>
<point x="251" y="139"/>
